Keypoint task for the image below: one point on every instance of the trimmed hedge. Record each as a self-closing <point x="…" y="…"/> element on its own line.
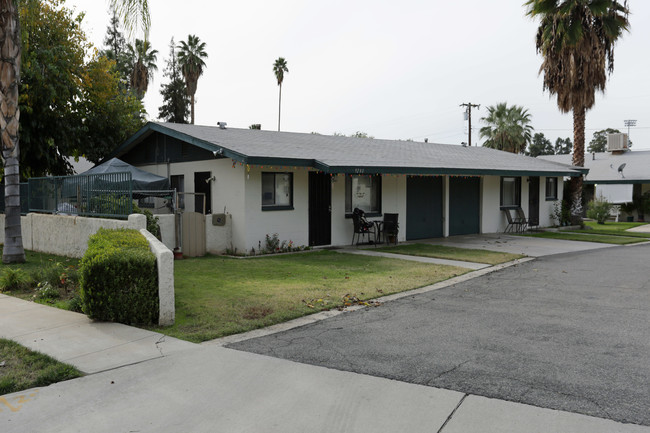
<point x="119" y="280"/>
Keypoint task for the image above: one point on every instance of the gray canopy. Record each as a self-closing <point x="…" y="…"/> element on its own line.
<point x="142" y="180"/>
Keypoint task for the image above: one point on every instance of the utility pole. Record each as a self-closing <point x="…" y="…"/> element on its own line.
<point x="468" y="113"/>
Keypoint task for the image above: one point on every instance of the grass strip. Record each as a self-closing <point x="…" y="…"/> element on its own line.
<point x="452" y="253"/>
<point x="586" y="237"/>
<point x="218" y="296"/>
<point x="23" y="368"/>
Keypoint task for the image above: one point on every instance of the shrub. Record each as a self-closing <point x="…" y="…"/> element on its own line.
<point x="599" y="209"/>
<point x="45" y="291"/>
<point x="14" y="279"/>
<point x="119" y="281"/>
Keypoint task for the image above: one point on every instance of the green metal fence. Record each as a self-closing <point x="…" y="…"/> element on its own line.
<point x="99" y="195"/>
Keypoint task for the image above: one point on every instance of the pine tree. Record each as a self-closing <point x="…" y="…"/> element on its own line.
<point x="176" y="101"/>
<point x="116" y="50"/>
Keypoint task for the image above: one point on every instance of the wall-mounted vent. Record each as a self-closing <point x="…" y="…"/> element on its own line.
<point x="617" y="142"/>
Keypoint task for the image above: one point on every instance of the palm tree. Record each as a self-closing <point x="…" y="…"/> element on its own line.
<point x="190" y="58"/>
<point x="279" y="68"/>
<point x="508" y="128"/>
<point x="142" y="61"/>
<point x="576" y="39"/>
<point x="13" y="251"/>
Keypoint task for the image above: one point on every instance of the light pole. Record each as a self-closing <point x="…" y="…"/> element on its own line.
<point x="629" y="123"/>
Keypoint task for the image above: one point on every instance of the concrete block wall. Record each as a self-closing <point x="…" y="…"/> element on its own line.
<point x="68" y="236"/>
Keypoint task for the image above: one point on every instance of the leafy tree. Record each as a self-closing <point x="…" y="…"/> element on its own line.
<point x="70" y="107"/>
<point x="508" y="128"/>
<point x="540" y="146"/>
<point x="599" y="142"/>
<point x="576" y="39"/>
<point x="176" y="102"/>
<point x="279" y="68"/>
<point x="191" y="57"/>
<point x="142" y="64"/>
<point x="110" y="114"/>
<point x="10" y="63"/>
<point x="52" y="71"/>
<point x="563" y="146"/>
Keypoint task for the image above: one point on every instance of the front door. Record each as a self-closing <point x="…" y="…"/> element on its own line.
<point x="320" y="209"/>
<point x="464" y="205"/>
<point x="423" y="207"/>
<point x="533" y="201"/>
<point x="202" y="184"/>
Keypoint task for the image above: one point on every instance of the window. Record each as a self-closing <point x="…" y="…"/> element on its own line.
<point x="277" y="191"/>
<point x="510" y="192"/>
<point x="363" y="192"/>
<point x="551" y="188"/>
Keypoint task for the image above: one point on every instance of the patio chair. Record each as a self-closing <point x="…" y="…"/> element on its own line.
<point x="528" y="223"/>
<point x="390" y="227"/>
<point x="362" y="226"/>
<point x="514" y="223"/>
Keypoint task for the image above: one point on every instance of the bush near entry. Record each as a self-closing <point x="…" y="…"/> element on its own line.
<point x="119" y="280"/>
<point x="599" y="210"/>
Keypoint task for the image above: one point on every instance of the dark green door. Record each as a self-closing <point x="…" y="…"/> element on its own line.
<point x="464" y="205"/>
<point x="423" y="207"/>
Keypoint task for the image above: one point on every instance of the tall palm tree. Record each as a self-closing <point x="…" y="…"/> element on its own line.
<point x="576" y="39"/>
<point x="13" y="251"/>
<point x="279" y="68"/>
<point x="142" y="59"/>
<point x="508" y="128"/>
<point x="191" y="55"/>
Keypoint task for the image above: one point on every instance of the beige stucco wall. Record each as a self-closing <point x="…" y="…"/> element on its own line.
<point x="67" y="235"/>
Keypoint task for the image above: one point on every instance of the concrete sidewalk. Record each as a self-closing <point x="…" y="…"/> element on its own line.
<point x="73" y="338"/>
<point x="214" y="389"/>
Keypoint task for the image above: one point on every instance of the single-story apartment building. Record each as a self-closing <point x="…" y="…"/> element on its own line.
<point x="304" y="187"/>
<point x="616" y="175"/>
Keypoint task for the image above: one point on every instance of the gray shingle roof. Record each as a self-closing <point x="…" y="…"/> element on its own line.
<point x="603" y="167"/>
<point x="349" y="155"/>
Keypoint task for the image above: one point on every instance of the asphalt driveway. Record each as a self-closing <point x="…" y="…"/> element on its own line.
<point x="569" y="331"/>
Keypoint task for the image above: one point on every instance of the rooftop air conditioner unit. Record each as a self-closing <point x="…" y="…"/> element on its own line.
<point x="616" y="142"/>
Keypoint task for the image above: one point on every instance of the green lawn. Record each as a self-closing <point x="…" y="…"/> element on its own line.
<point x="37" y="261"/>
<point x="587" y="236"/>
<point x="61" y="273"/>
<point x="613" y="228"/>
<point x="218" y="296"/>
<point x="24" y="368"/>
<point x="452" y="253"/>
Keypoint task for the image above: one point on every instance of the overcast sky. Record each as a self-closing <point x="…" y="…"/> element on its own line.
<point x="396" y="70"/>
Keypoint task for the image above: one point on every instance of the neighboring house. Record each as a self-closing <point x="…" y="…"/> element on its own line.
<point x="616" y="175"/>
<point x="305" y="186"/>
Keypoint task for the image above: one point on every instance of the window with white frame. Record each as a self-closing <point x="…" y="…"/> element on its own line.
<point x="363" y="192"/>
<point x="510" y="192"/>
<point x="277" y="191"/>
<point x="551" y="188"/>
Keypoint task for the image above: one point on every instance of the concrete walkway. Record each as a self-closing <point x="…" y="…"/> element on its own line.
<point x="640" y="229"/>
<point x="73" y="338"/>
